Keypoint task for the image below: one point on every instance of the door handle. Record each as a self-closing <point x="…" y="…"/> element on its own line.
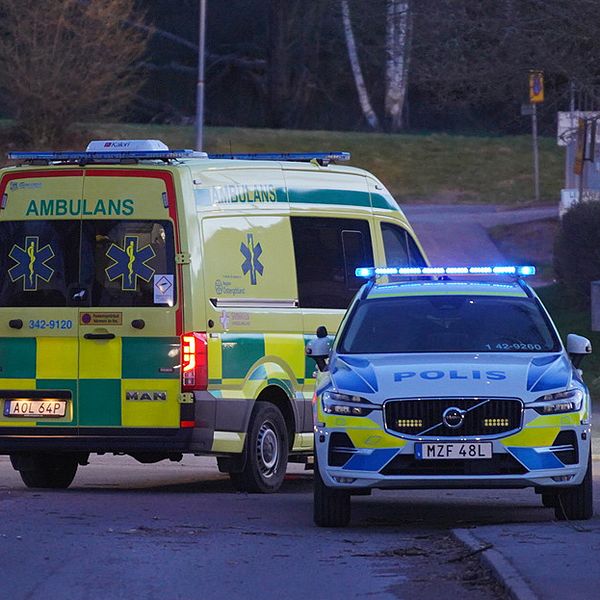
<point x="99" y="336"/>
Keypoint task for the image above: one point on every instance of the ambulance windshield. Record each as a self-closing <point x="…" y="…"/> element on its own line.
<point x="448" y="324"/>
<point x="114" y="262"/>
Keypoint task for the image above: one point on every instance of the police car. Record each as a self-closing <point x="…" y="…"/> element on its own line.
<point x="452" y="382"/>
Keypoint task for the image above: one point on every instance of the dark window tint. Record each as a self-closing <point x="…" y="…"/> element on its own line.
<point x="448" y="324"/>
<point x="39" y="262"/>
<point x="128" y="263"/>
<point x="400" y="249"/>
<point x="327" y="253"/>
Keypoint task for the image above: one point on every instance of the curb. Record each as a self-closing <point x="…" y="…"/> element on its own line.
<point x="504" y="571"/>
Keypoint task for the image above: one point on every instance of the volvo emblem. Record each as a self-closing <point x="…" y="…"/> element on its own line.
<point x="453" y="417"/>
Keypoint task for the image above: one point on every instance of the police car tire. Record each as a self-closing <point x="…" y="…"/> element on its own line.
<point x="549" y="500"/>
<point x="331" y="508"/>
<point x="576" y="503"/>
<point x="258" y="476"/>
<point x="50" y="472"/>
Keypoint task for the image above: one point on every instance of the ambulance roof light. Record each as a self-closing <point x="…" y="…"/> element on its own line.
<point x="110" y="150"/>
<point x="323" y="158"/>
<point x="514" y="270"/>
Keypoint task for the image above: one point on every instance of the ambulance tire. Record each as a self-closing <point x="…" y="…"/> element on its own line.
<point x="331" y="507"/>
<point x="50" y="472"/>
<point x="576" y="503"/>
<point x="267" y="448"/>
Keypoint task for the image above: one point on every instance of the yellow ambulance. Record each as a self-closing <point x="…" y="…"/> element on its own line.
<point x="157" y="302"/>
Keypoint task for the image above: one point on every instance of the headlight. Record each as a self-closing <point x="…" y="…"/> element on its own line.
<point x="335" y="403"/>
<point x="561" y="402"/>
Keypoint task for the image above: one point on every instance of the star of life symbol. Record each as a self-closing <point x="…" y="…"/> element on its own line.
<point x="252" y="264"/>
<point x="31" y="263"/>
<point x="129" y="263"/>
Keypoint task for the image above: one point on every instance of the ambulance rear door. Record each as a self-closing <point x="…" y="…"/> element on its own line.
<point x="130" y="308"/>
<point x="40" y="264"/>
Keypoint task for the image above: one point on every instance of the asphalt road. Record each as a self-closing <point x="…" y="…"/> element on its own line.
<point x="125" y="530"/>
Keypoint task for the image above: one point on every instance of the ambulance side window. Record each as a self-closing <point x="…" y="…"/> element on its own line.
<point x="400" y="249"/>
<point x="327" y="253"/>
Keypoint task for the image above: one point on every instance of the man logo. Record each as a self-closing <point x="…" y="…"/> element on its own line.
<point x="145" y="396"/>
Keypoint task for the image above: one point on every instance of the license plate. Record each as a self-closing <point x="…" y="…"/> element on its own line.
<point x="35" y="408"/>
<point x="454" y="450"/>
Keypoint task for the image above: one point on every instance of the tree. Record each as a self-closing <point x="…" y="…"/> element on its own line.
<point x="397" y="46"/>
<point x="359" y="80"/>
<point x="63" y="61"/>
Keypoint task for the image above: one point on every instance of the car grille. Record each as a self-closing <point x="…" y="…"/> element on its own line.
<point x="424" y="417"/>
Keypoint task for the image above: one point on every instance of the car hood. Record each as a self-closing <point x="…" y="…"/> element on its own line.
<point x="518" y="375"/>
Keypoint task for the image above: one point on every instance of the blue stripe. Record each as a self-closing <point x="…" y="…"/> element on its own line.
<point x="374" y="461"/>
<point x="536" y="460"/>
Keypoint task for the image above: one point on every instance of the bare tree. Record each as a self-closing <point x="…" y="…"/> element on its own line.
<point x="62" y="61"/>
<point x="359" y="80"/>
<point x="398" y="38"/>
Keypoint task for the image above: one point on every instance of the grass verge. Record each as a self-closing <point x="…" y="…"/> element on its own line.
<point x="416" y="168"/>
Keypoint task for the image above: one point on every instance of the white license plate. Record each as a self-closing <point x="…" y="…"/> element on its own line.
<point x="35" y="408"/>
<point x="453" y="450"/>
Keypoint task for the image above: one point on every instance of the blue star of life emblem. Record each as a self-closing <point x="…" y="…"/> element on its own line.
<point x="252" y="264"/>
<point x="129" y="263"/>
<point x="31" y="263"/>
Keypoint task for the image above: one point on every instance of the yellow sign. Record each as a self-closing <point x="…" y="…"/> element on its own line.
<point x="536" y="87"/>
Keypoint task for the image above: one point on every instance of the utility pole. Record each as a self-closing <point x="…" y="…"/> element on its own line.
<point x="200" y="83"/>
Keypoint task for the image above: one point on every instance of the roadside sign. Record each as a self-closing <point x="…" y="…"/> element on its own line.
<point x="536" y="87"/>
<point x="526" y="110"/>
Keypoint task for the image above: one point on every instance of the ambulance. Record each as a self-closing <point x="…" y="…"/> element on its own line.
<point x="157" y="302"/>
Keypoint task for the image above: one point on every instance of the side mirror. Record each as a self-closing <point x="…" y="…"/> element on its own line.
<point x="578" y="347"/>
<point x="318" y="348"/>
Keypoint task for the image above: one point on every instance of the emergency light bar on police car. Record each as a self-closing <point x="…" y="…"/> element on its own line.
<point x="515" y="270"/>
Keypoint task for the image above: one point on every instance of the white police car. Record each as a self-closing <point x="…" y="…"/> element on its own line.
<point x="450" y="383"/>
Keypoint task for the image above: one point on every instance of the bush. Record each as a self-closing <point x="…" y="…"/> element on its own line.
<point x="577" y="249"/>
<point x="62" y="61"/>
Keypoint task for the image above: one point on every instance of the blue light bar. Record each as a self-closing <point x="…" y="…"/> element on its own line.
<point x="86" y="157"/>
<point x="514" y="270"/>
<point x="287" y="156"/>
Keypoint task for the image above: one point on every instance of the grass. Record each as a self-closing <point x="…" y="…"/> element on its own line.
<point x="416" y="168"/>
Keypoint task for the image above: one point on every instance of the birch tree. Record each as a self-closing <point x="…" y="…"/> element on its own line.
<point x="397" y="50"/>
<point x="359" y="80"/>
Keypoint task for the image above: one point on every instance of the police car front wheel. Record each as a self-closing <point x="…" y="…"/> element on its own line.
<point x="331" y="507"/>
<point x="577" y="502"/>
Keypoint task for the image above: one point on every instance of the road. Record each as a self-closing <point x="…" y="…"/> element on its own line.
<point x="457" y="234"/>
<point x="125" y="530"/>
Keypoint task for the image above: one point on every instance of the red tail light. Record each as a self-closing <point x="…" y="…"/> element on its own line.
<point x="194" y="361"/>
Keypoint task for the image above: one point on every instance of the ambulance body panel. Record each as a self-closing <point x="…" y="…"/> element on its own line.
<point x="147" y="307"/>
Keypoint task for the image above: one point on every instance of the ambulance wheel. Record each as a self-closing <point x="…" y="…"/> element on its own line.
<point x="576" y="503"/>
<point x="331" y="507"/>
<point x="50" y="472"/>
<point x="266" y="451"/>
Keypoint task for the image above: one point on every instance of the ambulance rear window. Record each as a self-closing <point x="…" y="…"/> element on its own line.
<point x="114" y="262"/>
<point x="128" y="263"/>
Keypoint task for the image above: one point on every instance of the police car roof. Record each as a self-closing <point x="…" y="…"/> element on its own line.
<point x="509" y="288"/>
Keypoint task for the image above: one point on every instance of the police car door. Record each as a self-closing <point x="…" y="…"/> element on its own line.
<point x="39" y="262"/>
<point x="129" y="352"/>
